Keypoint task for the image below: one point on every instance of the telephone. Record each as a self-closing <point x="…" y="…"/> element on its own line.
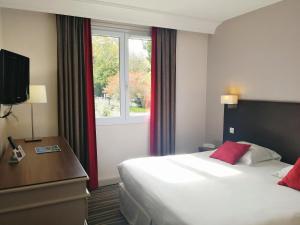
<point x="17" y="153"/>
<point x="210" y="146"/>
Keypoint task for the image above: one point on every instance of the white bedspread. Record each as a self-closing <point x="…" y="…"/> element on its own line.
<point x="194" y="189"/>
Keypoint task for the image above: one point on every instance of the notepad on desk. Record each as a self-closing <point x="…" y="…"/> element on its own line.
<point x="47" y="149"/>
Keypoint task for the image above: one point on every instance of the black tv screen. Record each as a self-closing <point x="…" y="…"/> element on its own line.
<point x="14" y="78"/>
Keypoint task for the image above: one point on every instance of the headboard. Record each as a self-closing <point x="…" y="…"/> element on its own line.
<point x="275" y="125"/>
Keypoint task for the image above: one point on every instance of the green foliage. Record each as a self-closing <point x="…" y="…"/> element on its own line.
<point x="147" y="45"/>
<point x="106" y="61"/>
<point x="106" y="75"/>
<point x="140" y="76"/>
<point x="138" y="110"/>
<point x="139" y="88"/>
<point x="106" y="107"/>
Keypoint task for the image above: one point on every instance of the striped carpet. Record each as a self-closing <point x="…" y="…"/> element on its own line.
<point x="104" y="207"/>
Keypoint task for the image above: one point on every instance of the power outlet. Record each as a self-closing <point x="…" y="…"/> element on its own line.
<point x="231" y="130"/>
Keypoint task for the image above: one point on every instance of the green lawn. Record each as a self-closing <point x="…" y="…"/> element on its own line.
<point x="137" y="109"/>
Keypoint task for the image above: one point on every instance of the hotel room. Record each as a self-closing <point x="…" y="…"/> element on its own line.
<point x="149" y="112"/>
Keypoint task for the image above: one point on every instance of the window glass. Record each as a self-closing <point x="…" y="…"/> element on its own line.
<point x="122" y="75"/>
<point x="139" y="74"/>
<point x="106" y="70"/>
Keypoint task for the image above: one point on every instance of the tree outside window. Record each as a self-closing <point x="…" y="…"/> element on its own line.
<point x="110" y="78"/>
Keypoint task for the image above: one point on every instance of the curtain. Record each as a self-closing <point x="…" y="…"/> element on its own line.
<point x="76" y="114"/>
<point x="163" y="92"/>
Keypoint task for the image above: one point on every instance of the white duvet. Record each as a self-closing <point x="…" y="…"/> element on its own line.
<point x="194" y="189"/>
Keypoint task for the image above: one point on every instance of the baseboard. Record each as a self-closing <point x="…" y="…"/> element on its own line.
<point x="109" y="181"/>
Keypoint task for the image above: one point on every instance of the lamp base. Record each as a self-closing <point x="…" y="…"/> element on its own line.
<point x="33" y="139"/>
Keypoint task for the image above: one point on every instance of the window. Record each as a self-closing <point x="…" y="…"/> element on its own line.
<point x="122" y="76"/>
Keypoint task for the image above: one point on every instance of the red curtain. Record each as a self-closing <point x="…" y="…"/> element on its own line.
<point x="90" y="107"/>
<point x="163" y="92"/>
<point x="153" y="150"/>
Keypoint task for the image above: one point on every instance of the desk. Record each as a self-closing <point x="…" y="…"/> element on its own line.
<point x="43" y="189"/>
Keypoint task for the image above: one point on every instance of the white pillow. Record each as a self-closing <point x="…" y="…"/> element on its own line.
<point x="257" y="154"/>
<point x="283" y="172"/>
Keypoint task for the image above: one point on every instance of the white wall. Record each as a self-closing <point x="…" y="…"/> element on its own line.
<point x="257" y="53"/>
<point x="34" y="35"/>
<point x="116" y="143"/>
<point x="120" y="142"/>
<point x="123" y="13"/>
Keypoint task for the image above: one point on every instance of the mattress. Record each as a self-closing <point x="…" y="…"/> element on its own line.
<point x="194" y="189"/>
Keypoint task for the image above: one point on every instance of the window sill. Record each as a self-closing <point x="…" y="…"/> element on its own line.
<point x="111" y="122"/>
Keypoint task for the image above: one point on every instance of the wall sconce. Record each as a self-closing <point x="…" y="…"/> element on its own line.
<point x="230" y="100"/>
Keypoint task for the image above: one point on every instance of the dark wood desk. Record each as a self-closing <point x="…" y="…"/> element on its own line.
<point x="43" y="185"/>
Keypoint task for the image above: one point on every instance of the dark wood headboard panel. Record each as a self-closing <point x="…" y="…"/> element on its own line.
<point x="275" y="125"/>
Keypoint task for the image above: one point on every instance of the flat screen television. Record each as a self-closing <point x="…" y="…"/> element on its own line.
<point x="14" y="78"/>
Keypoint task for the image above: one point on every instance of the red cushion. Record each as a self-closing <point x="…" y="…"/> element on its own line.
<point x="292" y="179"/>
<point x="230" y="152"/>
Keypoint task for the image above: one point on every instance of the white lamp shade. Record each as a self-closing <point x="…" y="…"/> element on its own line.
<point x="229" y="99"/>
<point x="37" y="94"/>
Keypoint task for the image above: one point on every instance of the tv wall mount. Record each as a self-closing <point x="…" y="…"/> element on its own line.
<point x="6" y="113"/>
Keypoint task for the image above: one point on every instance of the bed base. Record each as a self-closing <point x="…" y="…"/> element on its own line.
<point x="132" y="210"/>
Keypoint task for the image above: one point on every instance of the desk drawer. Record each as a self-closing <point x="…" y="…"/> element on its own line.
<point x="40" y="195"/>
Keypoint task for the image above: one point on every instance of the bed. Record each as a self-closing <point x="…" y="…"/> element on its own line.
<point x="194" y="189"/>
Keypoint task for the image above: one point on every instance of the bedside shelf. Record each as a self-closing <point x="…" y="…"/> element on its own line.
<point x="204" y="149"/>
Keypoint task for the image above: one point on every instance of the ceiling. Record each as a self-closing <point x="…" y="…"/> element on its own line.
<point x="191" y="15"/>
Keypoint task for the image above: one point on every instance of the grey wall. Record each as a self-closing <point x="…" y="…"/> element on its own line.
<point x="2" y="121"/>
<point x="257" y="54"/>
<point x="33" y="35"/>
<point x="190" y="91"/>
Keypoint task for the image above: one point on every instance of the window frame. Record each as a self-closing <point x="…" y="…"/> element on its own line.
<point x="124" y="35"/>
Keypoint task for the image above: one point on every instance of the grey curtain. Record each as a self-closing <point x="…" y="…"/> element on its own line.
<point x="165" y="91"/>
<point x="71" y="84"/>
